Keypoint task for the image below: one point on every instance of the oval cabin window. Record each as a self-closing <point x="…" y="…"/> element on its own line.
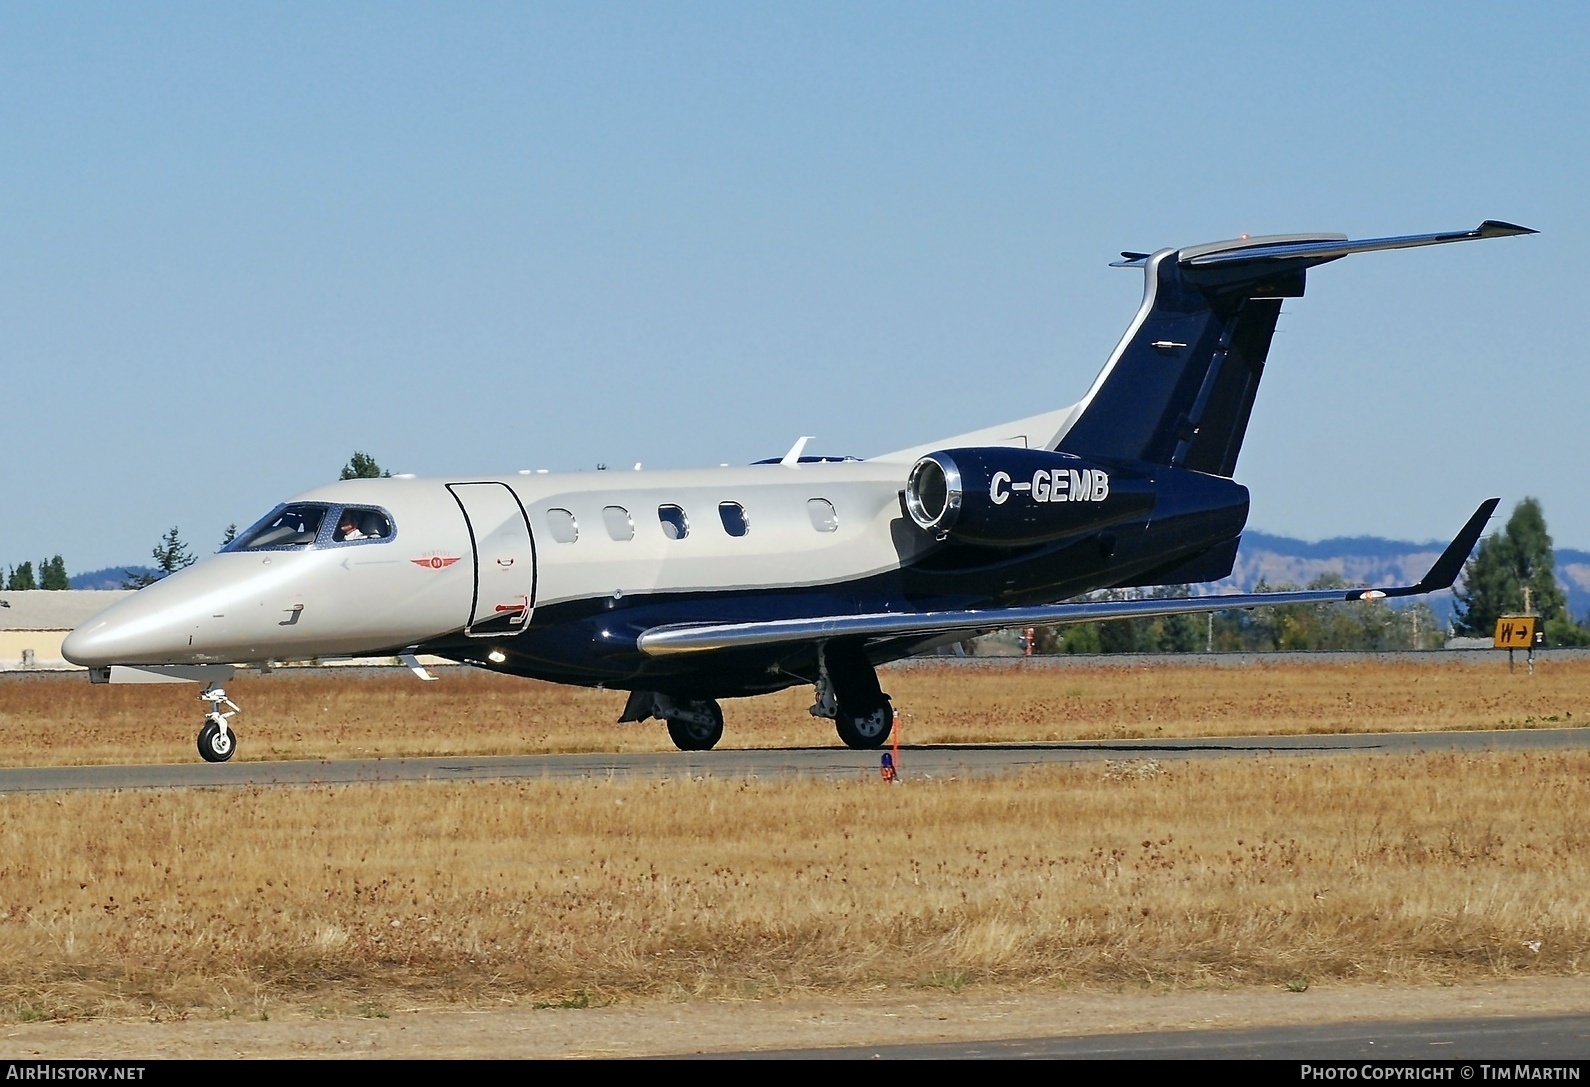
<point x="675" y="525"/>
<point x="821" y="511"/>
<point x="565" y="529"/>
<point x="733" y="516"/>
<point x="619" y="525"/>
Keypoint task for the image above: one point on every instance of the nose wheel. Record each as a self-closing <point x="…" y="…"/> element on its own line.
<point x="217" y="741"/>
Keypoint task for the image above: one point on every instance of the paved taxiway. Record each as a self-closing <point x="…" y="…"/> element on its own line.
<point x="814" y="762"/>
<point x="1543" y="1038"/>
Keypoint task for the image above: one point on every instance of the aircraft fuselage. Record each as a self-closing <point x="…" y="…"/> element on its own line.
<point x="556" y="575"/>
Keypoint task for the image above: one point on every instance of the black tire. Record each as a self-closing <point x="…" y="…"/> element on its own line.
<point x="865" y="731"/>
<point x="697" y="735"/>
<point x="213" y="746"/>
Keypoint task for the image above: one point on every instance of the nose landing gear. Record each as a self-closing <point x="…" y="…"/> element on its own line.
<point x="217" y="742"/>
<point x="694" y="724"/>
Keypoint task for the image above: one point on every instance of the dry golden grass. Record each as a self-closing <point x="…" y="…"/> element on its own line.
<point x="359" y="900"/>
<point x="289" y="715"/>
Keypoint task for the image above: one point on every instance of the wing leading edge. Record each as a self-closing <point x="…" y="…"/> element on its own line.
<point x="682" y="638"/>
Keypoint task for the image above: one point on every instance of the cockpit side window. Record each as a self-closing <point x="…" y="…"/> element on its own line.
<point x="359" y="524"/>
<point x="287" y="528"/>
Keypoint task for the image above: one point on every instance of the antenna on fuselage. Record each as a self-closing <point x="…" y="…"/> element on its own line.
<point x="793" y="457"/>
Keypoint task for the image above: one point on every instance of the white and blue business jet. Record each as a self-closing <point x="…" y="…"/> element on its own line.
<point x="686" y="587"/>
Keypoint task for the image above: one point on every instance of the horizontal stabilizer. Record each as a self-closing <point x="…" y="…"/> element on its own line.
<point x="1317" y="251"/>
<point x="682" y="638"/>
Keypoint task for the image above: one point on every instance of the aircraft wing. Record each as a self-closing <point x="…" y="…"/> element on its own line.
<point x="681" y="638"/>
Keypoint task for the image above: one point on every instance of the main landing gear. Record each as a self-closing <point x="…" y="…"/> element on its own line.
<point x="217" y="741"/>
<point x="848" y="693"/>
<point x="694" y="724"/>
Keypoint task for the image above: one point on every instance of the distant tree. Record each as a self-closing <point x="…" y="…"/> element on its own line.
<point x="1518" y="558"/>
<point x="21" y="578"/>
<point x="1489" y="588"/>
<point x="229" y="535"/>
<point x="362" y="466"/>
<point x="1564" y="631"/>
<point x="1157" y="634"/>
<point x="1076" y="638"/>
<point x="170" y="555"/>
<point x="52" y="574"/>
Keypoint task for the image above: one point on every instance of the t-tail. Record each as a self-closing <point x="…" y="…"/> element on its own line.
<point x="1179" y="387"/>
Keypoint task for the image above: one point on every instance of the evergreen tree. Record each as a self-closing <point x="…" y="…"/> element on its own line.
<point x="362" y="466"/>
<point x="229" y="535"/>
<point x="1494" y="580"/>
<point x="52" y="574"/>
<point x="21" y="579"/>
<point x="170" y="555"/>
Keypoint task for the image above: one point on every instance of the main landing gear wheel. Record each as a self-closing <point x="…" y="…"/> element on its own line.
<point x="847" y="681"/>
<point x="215" y="744"/>
<point x="217" y="741"/>
<point x="865" y="732"/>
<point x="695" y="726"/>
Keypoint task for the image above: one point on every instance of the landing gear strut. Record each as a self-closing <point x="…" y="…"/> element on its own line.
<point x="848" y="692"/>
<point x="217" y="741"/>
<point x="694" y="724"/>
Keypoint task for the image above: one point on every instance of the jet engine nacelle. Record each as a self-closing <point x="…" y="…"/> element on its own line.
<point x="1005" y="496"/>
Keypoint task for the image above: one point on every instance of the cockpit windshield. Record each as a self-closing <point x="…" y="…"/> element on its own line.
<point x="290" y="528"/>
<point x="301" y="525"/>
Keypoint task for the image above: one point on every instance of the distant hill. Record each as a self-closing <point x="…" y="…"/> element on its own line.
<point x="1573" y="571"/>
<point x="111" y="577"/>
<point x="1371" y="560"/>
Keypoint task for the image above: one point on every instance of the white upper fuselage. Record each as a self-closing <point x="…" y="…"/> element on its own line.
<point x="340" y="600"/>
<point x="346" y="600"/>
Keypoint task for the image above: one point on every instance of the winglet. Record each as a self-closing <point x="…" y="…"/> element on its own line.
<point x="1495" y="228"/>
<point x="1446" y="568"/>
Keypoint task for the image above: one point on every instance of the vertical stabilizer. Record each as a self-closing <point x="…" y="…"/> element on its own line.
<point x="1180" y="386"/>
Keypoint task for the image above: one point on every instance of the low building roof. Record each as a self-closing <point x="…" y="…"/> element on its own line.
<point x="45" y="609"/>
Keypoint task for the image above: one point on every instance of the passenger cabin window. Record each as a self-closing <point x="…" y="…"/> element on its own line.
<point x="291" y="528"/>
<point x="565" y="529"/>
<point x="821" y="511"/>
<point x="675" y="525"/>
<point x="356" y="524"/>
<point x="733" y="516"/>
<point x="619" y="525"/>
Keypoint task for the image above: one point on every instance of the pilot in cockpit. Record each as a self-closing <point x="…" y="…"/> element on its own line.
<point x="348" y="528"/>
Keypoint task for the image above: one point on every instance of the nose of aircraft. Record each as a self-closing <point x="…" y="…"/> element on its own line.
<point x="153" y="626"/>
<point x="84" y="645"/>
<point x="121" y="634"/>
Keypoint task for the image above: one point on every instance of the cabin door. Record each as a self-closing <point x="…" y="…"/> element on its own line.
<point x="505" y="561"/>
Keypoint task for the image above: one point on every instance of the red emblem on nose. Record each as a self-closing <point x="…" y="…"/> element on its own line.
<point x="435" y="562"/>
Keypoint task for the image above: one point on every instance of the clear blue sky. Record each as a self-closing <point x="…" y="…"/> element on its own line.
<point x="238" y="242"/>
